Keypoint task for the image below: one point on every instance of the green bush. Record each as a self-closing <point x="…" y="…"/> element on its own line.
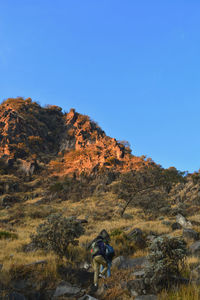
<point x="57" y="234"/>
<point x="116" y="232"/>
<point x="166" y="256"/>
<point x="8" y="235"/>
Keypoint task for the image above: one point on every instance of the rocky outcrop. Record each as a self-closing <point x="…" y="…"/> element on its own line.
<point x="86" y="148"/>
<point x="71" y="141"/>
<point x="27" y="129"/>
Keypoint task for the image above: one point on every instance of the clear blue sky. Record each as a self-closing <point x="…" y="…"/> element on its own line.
<point x="132" y="66"/>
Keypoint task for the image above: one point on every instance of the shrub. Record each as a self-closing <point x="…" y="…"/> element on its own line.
<point x="139" y="187"/>
<point x="115" y="232"/>
<point x="166" y="255"/>
<point x="8" y="235"/>
<point x="57" y="234"/>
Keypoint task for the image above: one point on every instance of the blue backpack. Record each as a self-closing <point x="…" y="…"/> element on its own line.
<point x="110" y="253"/>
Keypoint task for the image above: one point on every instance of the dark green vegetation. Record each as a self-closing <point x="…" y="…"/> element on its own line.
<point x="166" y="258"/>
<point x="57" y="233"/>
<point x="8" y="235"/>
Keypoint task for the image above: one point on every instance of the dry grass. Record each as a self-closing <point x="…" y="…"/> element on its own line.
<point x="140" y="253"/>
<point x="26" y="268"/>
<point x="11" y="251"/>
<point x="34" y="183"/>
<point x="115" y="285"/>
<point x="102" y="212"/>
<point x="13" y="258"/>
<point x="155" y="226"/>
<point x="191" y="292"/>
<point x="192" y="262"/>
<point x="195" y="218"/>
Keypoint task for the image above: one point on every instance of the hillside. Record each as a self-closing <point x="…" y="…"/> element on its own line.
<point x="63" y="164"/>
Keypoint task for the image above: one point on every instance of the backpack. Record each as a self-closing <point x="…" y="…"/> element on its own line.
<point x="110" y="253"/>
<point x="95" y="248"/>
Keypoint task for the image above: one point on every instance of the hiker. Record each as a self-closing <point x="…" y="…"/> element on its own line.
<point x="110" y="253"/>
<point x="98" y="251"/>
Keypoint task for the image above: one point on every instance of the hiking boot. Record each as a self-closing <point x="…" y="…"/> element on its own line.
<point x="94" y="288"/>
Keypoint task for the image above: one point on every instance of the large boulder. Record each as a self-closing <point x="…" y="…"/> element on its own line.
<point x="136" y="287"/>
<point x="183" y="222"/>
<point x="122" y="262"/>
<point x="190" y="234"/>
<point x="118" y="261"/>
<point x="137" y="236"/>
<point x="66" y="289"/>
<point x="195" y="248"/>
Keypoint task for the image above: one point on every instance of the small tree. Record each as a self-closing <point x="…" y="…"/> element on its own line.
<point x="144" y="182"/>
<point x="166" y="255"/>
<point x="57" y="233"/>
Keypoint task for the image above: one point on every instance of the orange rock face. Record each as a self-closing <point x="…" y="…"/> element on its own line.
<point x="68" y="143"/>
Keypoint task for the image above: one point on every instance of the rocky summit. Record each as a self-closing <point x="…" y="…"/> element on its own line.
<point x="70" y="142"/>
<point x="62" y="181"/>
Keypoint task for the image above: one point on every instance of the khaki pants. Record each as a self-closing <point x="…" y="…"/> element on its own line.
<point x="97" y="261"/>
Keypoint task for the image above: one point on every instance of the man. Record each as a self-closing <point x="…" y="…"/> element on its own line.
<point x="98" y="251"/>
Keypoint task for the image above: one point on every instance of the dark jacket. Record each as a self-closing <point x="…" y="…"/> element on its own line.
<point x="102" y="247"/>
